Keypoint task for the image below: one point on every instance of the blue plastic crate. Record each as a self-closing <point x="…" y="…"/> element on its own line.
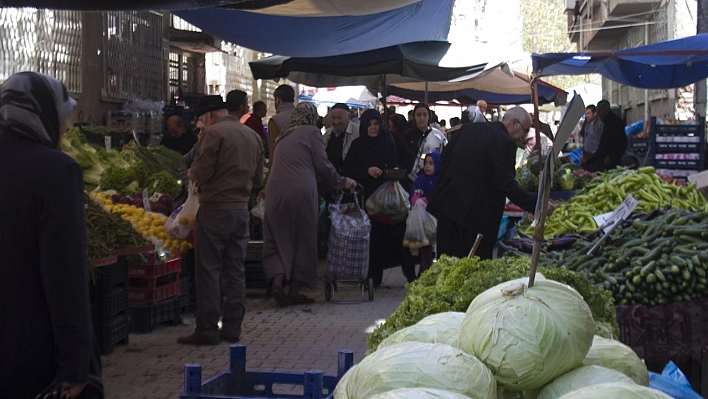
<point x="237" y="383"/>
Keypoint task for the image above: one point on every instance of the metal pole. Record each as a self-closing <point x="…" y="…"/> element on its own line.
<point x="646" y="91"/>
<point x="539" y="229"/>
<point x="536" y="124"/>
<point x="699" y="95"/>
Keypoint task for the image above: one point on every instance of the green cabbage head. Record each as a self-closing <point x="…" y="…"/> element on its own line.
<point x="579" y="378"/>
<point x="340" y="391"/>
<point x="528" y="337"/>
<point x="616" y="390"/>
<point x="617" y="356"/>
<point x="439" y="328"/>
<point x="421" y="365"/>
<point x="419" y="393"/>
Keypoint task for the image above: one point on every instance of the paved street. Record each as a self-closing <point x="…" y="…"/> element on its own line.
<point x="294" y="339"/>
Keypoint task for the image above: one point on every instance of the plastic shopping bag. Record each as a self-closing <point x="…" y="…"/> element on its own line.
<point x="421" y="227"/>
<point x="187" y="216"/>
<point x="259" y="210"/>
<point x="672" y="382"/>
<point x="172" y="226"/>
<point x="391" y="200"/>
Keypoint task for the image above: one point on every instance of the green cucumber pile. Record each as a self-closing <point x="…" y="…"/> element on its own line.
<point x="651" y="262"/>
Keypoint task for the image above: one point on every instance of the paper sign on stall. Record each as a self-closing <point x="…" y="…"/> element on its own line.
<point x="608" y="220"/>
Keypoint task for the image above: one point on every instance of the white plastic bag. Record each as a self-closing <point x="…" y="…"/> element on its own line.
<point x="172" y="226"/>
<point x="186" y="217"/>
<point x="421" y="227"/>
<point x="259" y="210"/>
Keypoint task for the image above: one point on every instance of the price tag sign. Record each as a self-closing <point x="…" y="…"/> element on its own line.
<point x="107" y="142"/>
<point x="146" y="201"/>
<point x="608" y="220"/>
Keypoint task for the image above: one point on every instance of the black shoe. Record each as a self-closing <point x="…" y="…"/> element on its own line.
<point x="229" y="339"/>
<point x="197" y="340"/>
<point x="279" y="295"/>
<point x="299" y="300"/>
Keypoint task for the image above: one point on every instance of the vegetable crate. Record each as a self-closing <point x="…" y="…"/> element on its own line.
<point x="115" y="330"/>
<point x="237" y="383"/>
<point x="662" y="333"/>
<point x="677" y="149"/>
<point x="152" y="281"/>
<point x="144" y="316"/>
<point x="109" y="302"/>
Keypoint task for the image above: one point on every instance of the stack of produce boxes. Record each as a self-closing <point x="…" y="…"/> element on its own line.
<point x="109" y="297"/>
<point x="154" y="291"/>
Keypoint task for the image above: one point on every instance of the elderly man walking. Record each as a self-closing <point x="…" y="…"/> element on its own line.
<point x="338" y="138"/>
<point x="229" y="165"/>
<point x="477" y="176"/>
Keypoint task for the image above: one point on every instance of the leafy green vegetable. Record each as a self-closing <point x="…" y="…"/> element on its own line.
<point x="616" y="390"/>
<point x="163" y="183"/>
<point x="617" y="356"/>
<point x="579" y="378"/>
<point x="528" y="336"/>
<point x="421" y="365"/>
<point x="115" y="178"/>
<point x="451" y="284"/>
<point x="440" y="328"/>
<point x="419" y="393"/>
<point x="340" y="391"/>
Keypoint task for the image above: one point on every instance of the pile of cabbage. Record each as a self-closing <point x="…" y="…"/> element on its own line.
<point x="513" y="342"/>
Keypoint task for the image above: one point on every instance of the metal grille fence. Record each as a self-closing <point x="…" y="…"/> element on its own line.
<point x="134" y="55"/>
<point x="45" y="41"/>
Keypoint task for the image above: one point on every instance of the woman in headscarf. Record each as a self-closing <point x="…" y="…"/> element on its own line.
<point x="300" y="166"/>
<point x="422" y="139"/>
<point x="47" y="336"/>
<point x="374" y="151"/>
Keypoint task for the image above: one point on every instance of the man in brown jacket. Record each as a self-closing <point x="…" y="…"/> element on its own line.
<point x="229" y="165"/>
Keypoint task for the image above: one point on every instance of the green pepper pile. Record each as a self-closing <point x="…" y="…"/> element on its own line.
<point x="605" y="193"/>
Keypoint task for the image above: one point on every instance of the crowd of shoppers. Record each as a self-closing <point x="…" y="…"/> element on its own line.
<point x="464" y="182"/>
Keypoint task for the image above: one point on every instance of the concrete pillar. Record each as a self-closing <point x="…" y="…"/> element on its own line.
<point x="89" y="108"/>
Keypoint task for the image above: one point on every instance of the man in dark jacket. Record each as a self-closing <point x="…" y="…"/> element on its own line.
<point x="179" y="137"/>
<point x="477" y="175"/>
<point x="613" y="142"/>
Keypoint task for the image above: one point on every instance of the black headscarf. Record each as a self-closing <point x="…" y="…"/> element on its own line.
<point x="380" y="143"/>
<point x="34" y="106"/>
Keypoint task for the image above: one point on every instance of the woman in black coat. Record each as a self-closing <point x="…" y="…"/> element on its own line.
<point x="47" y="335"/>
<point x="370" y="155"/>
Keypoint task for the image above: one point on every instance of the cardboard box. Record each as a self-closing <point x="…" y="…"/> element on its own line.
<point x="701" y="181"/>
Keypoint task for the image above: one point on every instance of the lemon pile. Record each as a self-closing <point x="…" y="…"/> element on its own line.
<point x="150" y="225"/>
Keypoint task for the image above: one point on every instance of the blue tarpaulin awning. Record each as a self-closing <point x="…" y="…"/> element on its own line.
<point x="425" y="20"/>
<point x="669" y="64"/>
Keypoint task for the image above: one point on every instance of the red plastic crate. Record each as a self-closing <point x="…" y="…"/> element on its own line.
<point x="154" y="294"/>
<point x="135" y="251"/>
<point x="153" y="282"/>
<point x="151" y="269"/>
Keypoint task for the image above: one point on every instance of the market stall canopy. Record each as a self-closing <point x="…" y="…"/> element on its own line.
<point x="417" y="61"/>
<point x="322" y="36"/>
<point x="272" y="7"/>
<point x="497" y="86"/>
<point x="669" y="64"/>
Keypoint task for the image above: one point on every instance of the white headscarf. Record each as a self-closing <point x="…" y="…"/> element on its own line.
<point x="34" y="106"/>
